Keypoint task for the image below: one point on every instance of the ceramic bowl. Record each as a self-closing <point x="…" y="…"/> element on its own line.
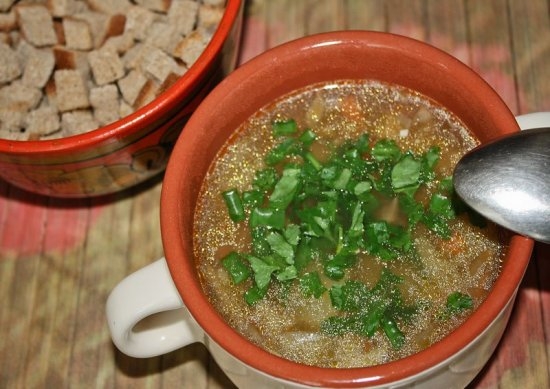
<point x="456" y="359"/>
<point x="452" y="362"/>
<point x="131" y="150"/>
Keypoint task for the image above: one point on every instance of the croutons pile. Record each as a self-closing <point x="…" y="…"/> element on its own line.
<point x="71" y="66"/>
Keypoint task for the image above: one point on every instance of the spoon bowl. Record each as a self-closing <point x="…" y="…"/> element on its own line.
<point x="508" y="181"/>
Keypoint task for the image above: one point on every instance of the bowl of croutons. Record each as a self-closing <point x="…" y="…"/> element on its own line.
<point x="94" y="93"/>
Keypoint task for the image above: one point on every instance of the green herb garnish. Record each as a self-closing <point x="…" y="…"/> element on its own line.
<point x="301" y="210"/>
<point x="365" y="311"/>
<point x="286" y="127"/>
<point x="236" y="267"/>
<point x="312" y="285"/>
<point x="234" y="205"/>
<point x="457" y="303"/>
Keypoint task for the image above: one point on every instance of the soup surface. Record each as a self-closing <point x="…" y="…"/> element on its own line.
<point x="327" y="230"/>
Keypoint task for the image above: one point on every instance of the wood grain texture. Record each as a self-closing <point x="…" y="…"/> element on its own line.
<point x="59" y="259"/>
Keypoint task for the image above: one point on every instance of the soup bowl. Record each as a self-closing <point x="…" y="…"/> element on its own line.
<point x="128" y="151"/>
<point x="172" y="283"/>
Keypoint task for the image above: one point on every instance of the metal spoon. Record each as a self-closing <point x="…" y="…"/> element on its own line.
<point x="508" y="182"/>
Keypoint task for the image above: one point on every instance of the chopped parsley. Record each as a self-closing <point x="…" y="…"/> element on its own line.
<point x="457" y="303"/>
<point x="300" y="210"/>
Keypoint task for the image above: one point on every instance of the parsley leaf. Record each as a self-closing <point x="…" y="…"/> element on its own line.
<point x="457" y="303"/>
<point x="285" y="189"/>
<point x="280" y="246"/>
<point x="262" y="271"/>
<point x="386" y="150"/>
<point x="311" y="285"/>
<point x="405" y="175"/>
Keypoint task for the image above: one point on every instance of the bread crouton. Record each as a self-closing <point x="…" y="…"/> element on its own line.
<point x="131" y="85"/>
<point x="209" y="18"/>
<point x="125" y="109"/>
<point x="71" y="59"/>
<point x="163" y="35"/>
<point x="102" y="26"/>
<point x="62" y="8"/>
<point x="11" y="120"/>
<point x="12" y="135"/>
<point x="77" y="122"/>
<point x="38" y="67"/>
<point x="159" y="65"/>
<point x="8" y="21"/>
<point x="183" y="14"/>
<point x="97" y="23"/>
<point x="138" y="21"/>
<point x="168" y="82"/>
<point x="5" y="38"/>
<point x="104" y="101"/>
<point x="134" y="57"/>
<point x="214" y="3"/>
<point x="120" y="43"/>
<point x="50" y="95"/>
<point x="115" y="26"/>
<point x="19" y="97"/>
<point x="106" y="66"/>
<point x="36" y="24"/>
<point x="59" y="32"/>
<point x="110" y="7"/>
<point x="15" y="38"/>
<point x="191" y="47"/>
<point x="71" y="90"/>
<point x="155" y="5"/>
<point x="77" y="34"/>
<point x="42" y="121"/>
<point x="5" y="5"/>
<point x="146" y="94"/>
<point x="10" y="68"/>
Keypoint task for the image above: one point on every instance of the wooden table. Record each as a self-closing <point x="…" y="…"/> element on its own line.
<point x="59" y="259"/>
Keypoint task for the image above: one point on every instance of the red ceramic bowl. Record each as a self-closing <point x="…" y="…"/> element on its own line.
<point x="453" y="361"/>
<point x="133" y="149"/>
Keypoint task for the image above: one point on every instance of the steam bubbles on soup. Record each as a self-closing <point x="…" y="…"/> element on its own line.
<point x="327" y="230"/>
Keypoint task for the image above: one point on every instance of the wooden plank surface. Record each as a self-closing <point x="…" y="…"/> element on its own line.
<point x="59" y="259"/>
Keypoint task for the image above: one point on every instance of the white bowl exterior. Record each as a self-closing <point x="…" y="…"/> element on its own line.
<point x="534" y="120"/>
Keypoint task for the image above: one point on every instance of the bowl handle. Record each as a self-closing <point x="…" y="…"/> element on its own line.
<point x="534" y="120"/>
<point x="146" y="315"/>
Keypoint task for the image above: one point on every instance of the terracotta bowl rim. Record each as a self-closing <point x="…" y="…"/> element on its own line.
<point x="221" y="333"/>
<point x="144" y="116"/>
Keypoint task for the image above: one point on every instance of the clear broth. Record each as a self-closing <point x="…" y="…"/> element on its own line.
<point x="470" y="261"/>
